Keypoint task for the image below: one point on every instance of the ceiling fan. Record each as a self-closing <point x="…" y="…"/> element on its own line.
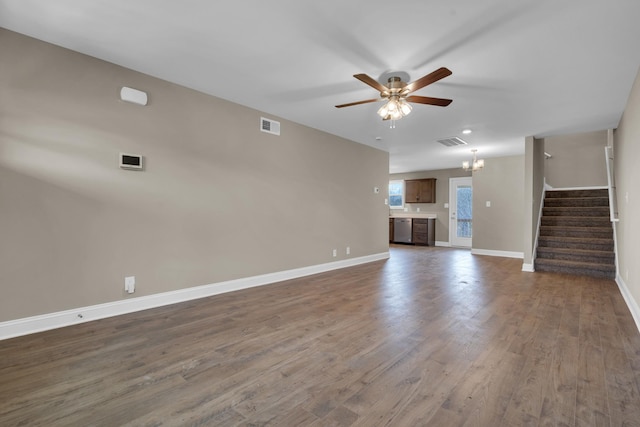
<point x="397" y="92"/>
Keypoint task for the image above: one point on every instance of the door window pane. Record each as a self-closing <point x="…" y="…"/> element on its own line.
<point x="464" y="212"/>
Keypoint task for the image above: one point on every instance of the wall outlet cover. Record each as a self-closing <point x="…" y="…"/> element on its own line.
<point x="130" y="284"/>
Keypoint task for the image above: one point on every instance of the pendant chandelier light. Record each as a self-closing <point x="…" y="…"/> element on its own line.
<point x="475" y="165"/>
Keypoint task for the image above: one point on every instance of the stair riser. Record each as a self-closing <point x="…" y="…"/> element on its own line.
<point x="607" y="259"/>
<point x="576" y="193"/>
<point x="575" y="222"/>
<point x="599" y="212"/>
<point x="599" y="246"/>
<point x="580" y="233"/>
<point x="584" y="202"/>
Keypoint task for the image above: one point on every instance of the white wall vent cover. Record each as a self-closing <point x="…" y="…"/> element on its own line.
<point x="452" y="142"/>
<point x="269" y="126"/>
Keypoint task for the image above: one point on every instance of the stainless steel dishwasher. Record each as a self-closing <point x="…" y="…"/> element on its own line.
<point x="402" y="230"/>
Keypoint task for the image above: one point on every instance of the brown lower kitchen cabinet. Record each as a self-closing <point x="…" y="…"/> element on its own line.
<point x="424" y="231"/>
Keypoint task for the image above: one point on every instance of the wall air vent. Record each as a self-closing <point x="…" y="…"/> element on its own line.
<point x="131" y="161"/>
<point x="269" y="126"/>
<point x="452" y="141"/>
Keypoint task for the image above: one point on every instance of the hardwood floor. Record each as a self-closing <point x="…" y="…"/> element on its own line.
<point x="431" y="337"/>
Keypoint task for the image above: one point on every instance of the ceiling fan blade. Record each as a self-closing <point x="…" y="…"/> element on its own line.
<point x="440" y="102"/>
<point x="433" y="77"/>
<point x="357" y="103"/>
<point x="371" y="82"/>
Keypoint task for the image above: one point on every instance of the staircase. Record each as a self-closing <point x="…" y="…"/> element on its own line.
<point x="576" y="235"/>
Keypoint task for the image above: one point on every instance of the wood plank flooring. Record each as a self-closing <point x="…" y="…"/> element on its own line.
<point x="430" y="337"/>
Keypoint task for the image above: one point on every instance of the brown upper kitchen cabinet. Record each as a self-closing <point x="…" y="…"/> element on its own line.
<point x="420" y="190"/>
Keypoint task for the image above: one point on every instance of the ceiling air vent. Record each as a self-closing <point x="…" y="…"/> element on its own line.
<point x="452" y="142"/>
<point x="269" y="126"/>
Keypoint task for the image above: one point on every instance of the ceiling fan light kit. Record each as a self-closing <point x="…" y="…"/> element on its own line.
<point x="396" y="92"/>
<point x="395" y="109"/>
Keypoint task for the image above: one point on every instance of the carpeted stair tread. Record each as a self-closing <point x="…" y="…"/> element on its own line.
<point x="576" y="201"/>
<point x="572" y="254"/>
<point x="575" y="264"/>
<point x="575" y="243"/>
<point x="576" y="221"/>
<point x="584" y="232"/>
<point x="564" y="194"/>
<point x="576" y="211"/>
<point x="578" y="251"/>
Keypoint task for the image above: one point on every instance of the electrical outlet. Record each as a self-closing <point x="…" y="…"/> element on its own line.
<point x="348" y="250"/>
<point x="335" y="253"/>
<point x="130" y="284"/>
<point x="418" y="210"/>
<point x="488" y="204"/>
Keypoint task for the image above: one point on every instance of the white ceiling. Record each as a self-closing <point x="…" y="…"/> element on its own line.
<point x="520" y="68"/>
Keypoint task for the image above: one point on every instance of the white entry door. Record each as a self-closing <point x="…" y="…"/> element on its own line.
<point x="460" y="211"/>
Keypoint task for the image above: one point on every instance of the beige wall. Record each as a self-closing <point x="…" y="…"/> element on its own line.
<point x="499" y="227"/>
<point x="577" y="160"/>
<point x="218" y="199"/>
<point x="627" y="175"/>
<point x="533" y="191"/>
<point x="442" y="197"/>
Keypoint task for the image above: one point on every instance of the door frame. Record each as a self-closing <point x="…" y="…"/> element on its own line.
<point x="453" y="239"/>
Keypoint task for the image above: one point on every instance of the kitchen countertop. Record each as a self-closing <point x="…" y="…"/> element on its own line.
<point x="413" y="215"/>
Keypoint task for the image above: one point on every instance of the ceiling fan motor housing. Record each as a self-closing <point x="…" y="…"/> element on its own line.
<point x="395" y="86"/>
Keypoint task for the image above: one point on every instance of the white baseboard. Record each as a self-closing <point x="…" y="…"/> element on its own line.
<point x="504" y="254"/>
<point x="443" y="244"/>
<point x="529" y="268"/>
<point x="628" y="298"/>
<point x="30" y="325"/>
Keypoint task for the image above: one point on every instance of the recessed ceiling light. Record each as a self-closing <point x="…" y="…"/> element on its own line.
<point x="466" y="131"/>
<point x="378" y="138"/>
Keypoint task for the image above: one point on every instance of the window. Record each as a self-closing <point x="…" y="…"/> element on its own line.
<point x="396" y="194"/>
